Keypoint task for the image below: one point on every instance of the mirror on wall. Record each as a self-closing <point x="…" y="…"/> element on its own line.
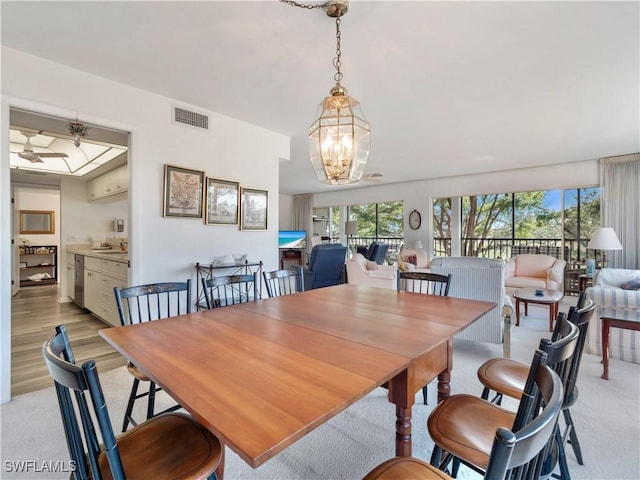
<point x="36" y="222"/>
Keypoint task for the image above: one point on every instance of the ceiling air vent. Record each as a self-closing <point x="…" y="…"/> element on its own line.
<point x="193" y="119"/>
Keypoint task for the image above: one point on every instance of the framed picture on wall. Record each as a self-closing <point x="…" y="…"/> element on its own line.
<point x="222" y="202"/>
<point x="183" y="192"/>
<point x="254" y="209"/>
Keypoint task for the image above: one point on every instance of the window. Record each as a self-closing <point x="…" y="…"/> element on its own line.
<point x="376" y="221"/>
<point x="557" y="222"/>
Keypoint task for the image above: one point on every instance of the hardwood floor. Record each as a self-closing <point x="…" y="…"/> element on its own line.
<point x="35" y="311"/>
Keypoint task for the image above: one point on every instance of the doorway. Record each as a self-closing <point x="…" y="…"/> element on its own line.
<point x="77" y="219"/>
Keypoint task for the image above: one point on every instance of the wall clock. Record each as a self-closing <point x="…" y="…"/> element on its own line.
<point x="415" y="220"/>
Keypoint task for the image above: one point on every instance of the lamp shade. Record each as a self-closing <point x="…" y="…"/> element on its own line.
<point x="604" y="239"/>
<point x="418" y="245"/>
<point x="351" y="227"/>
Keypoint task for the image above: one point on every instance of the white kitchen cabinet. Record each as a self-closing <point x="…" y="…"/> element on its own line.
<point x="111" y="183"/>
<point x="101" y="276"/>
<point x="71" y="275"/>
<point x="92" y="290"/>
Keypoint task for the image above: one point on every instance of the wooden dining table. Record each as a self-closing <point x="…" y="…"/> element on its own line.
<point x="263" y="374"/>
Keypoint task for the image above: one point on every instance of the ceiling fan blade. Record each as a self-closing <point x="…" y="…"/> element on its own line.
<point x="51" y="155"/>
<point x="32" y="157"/>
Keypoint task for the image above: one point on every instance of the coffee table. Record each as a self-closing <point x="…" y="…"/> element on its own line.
<point x="528" y="295"/>
<point x="617" y="318"/>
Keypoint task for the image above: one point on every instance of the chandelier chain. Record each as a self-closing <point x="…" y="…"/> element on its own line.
<point x="309" y="6"/>
<point x="337" y="60"/>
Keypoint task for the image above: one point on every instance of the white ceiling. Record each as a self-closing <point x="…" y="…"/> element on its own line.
<point x="450" y="88"/>
<point x="79" y="161"/>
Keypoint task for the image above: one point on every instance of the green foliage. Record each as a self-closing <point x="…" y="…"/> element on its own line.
<point x="522" y="215"/>
<point x="379" y="219"/>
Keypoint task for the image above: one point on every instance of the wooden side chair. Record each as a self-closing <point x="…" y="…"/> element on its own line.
<point x="283" y="282"/>
<point x="170" y="445"/>
<point x="145" y="303"/>
<point x="427" y="283"/>
<point x="507" y="377"/>
<point x="469" y="441"/>
<point x="519" y="453"/>
<point x="230" y="290"/>
<point x="424" y="282"/>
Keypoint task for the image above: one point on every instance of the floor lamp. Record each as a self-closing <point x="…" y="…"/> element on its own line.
<point x="350" y="229"/>
<point x="603" y="239"/>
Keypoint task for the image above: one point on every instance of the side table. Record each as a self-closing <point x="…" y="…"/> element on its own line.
<point x="584" y="281"/>
<point x="616" y="318"/>
<point x="528" y="295"/>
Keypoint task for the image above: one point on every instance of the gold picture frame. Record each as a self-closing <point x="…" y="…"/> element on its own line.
<point x="222" y="200"/>
<point x="183" y="192"/>
<point x="255" y="209"/>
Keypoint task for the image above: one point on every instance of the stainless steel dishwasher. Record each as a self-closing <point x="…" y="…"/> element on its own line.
<point x="78" y="281"/>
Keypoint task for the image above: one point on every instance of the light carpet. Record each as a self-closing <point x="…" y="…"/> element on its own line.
<point x="607" y="418"/>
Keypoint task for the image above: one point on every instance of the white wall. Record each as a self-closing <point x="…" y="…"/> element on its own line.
<point x="284" y="214"/>
<point x="160" y="249"/>
<point x="419" y="194"/>
<point x="31" y="198"/>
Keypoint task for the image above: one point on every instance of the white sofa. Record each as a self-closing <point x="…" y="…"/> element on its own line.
<point x="480" y="279"/>
<point x="361" y="271"/>
<point x="413" y="260"/>
<point x="607" y="292"/>
<point x="534" y="271"/>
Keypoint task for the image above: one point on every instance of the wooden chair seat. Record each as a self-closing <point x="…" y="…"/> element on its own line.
<point x="467" y="426"/>
<point x="406" y="468"/>
<point x="504" y="375"/>
<point x="166" y="446"/>
<point x="137" y="373"/>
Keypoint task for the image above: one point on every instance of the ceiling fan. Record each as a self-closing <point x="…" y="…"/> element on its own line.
<point x="28" y="153"/>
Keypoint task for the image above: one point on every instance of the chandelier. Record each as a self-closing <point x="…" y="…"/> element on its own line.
<point x="339" y="137"/>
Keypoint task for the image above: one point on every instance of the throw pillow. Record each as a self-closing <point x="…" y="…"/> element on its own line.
<point x="411" y="259"/>
<point x="631" y="284"/>
<point x="371" y="265"/>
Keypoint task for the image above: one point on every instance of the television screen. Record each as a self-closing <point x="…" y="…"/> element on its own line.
<point x="292" y="239"/>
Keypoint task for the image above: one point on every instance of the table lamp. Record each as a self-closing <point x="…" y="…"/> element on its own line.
<point x="350" y="229"/>
<point x="603" y="239"/>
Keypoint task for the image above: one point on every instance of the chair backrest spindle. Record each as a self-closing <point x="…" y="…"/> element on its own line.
<point x="144" y="303"/>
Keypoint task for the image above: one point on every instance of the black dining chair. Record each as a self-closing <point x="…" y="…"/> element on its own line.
<point x="506" y="377"/>
<point x="145" y="303"/>
<point x="462" y="426"/>
<point x="517" y="453"/>
<point x="283" y="282"/>
<point x="170" y="445"/>
<point x="427" y="283"/>
<point x="424" y="282"/>
<point x="230" y="290"/>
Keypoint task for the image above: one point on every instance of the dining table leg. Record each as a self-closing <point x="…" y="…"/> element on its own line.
<point x="400" y="394"/>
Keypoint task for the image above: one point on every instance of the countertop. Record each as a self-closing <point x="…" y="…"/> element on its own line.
<point x="114" y="254"/>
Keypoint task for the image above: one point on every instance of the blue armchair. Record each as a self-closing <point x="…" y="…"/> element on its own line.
<point x="326" y="266"/>
<point x="376" y="252"/>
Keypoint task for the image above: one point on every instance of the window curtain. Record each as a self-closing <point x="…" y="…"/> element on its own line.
<point x="620" y="207"/>
<point x="302" y="207"/>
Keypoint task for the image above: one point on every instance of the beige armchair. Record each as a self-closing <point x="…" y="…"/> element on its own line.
<point x="534" y="271"/>
<point x="414" y="259"/>
<point x="361" y="271"/>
